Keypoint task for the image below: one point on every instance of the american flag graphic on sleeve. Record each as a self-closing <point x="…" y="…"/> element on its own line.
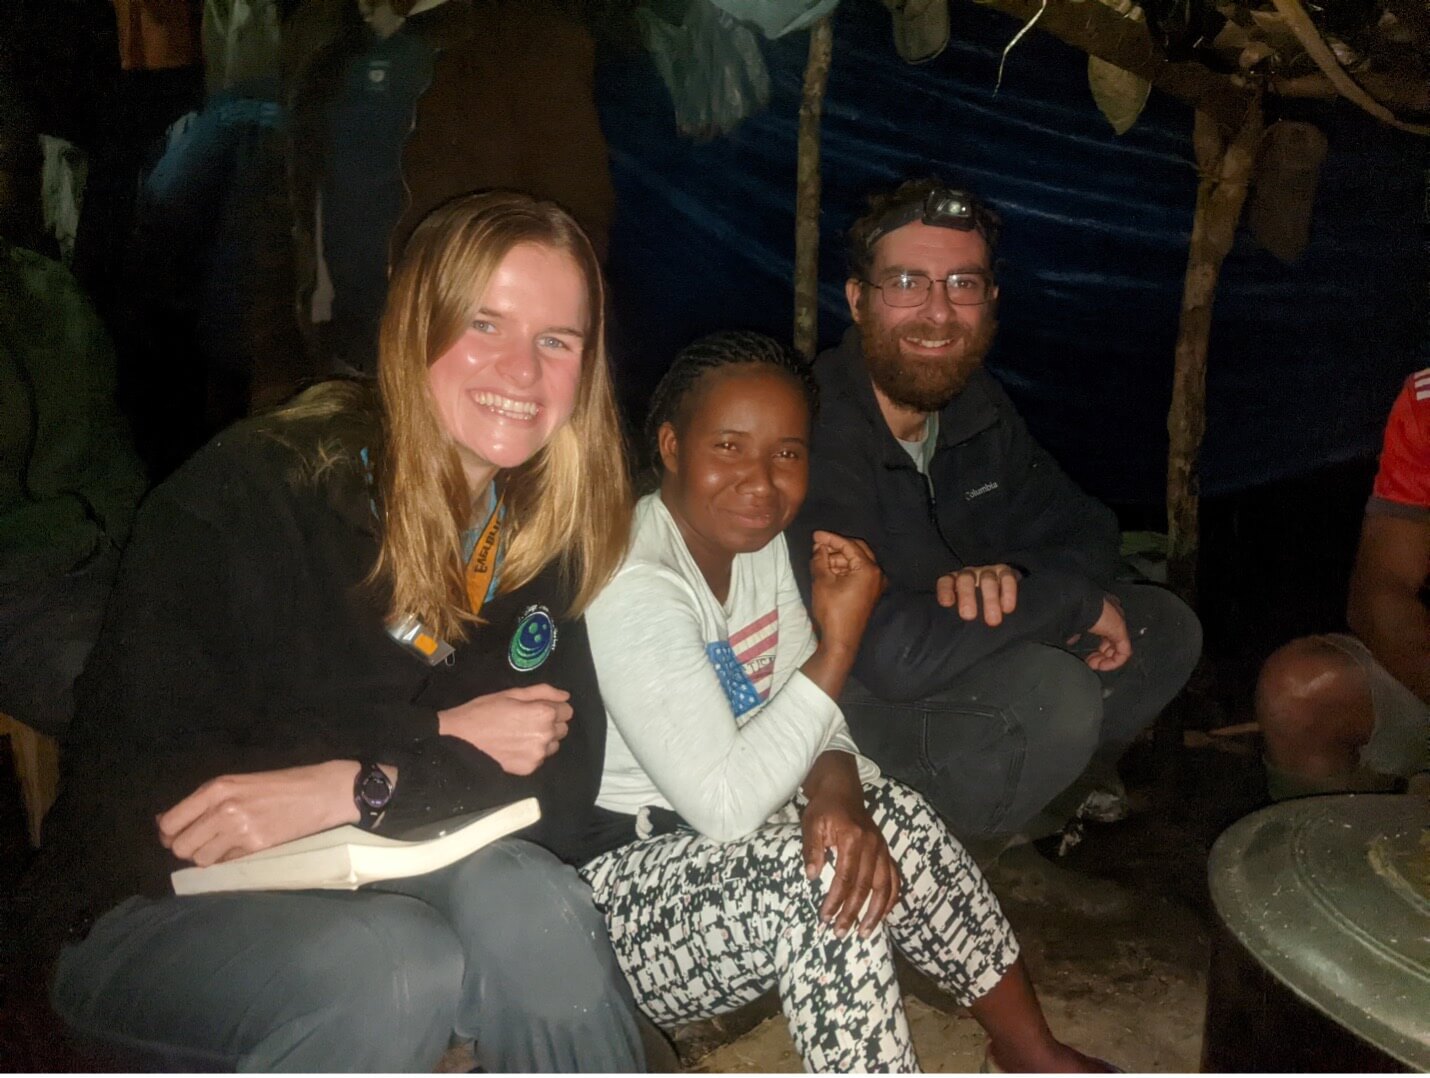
<point x="754" y="648"/>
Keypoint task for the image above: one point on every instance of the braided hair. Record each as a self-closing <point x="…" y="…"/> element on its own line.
<point x="671" y="401"/>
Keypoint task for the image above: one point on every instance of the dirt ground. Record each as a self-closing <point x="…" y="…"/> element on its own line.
<point x="1131" y="989"/>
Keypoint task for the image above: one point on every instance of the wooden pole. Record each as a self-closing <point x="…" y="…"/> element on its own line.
<point x="1225" y="169"/>
<point x="806" y="206"/>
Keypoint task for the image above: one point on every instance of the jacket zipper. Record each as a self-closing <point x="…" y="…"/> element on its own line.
<point x="933" y="511"/>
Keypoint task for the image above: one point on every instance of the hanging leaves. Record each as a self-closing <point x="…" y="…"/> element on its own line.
<point x="1283" y="193"/>
<point x="1120" y="94"/>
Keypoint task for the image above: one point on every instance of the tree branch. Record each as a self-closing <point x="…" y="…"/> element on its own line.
<point x="1100" y="31"/>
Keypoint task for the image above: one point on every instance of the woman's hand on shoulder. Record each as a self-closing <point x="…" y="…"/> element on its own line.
<point x="836" y="820"/>
<point x="846" y="582"/>
<point x="233" y="815"/>
<point x="518" y="728"/>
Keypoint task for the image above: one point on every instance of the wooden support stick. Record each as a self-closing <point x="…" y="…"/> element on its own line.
<point x="1225" y="168"/>
<point x="1239" y="729"/>
<point x="1230" y="739"/>
<point x="37" y="769"/>
<point x="806" y="206"/>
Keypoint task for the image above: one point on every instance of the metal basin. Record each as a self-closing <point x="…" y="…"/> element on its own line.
<point x="1331" y="896"/>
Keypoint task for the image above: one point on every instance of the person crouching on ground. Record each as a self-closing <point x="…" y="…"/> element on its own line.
<point x="252" y="686"/>
<point x="1352" y="712"/>
<point x="754" y="846"/>
<point x="1006" y="669"/>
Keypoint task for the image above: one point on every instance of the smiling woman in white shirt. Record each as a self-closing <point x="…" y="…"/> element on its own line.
<point x="760" y="848"/>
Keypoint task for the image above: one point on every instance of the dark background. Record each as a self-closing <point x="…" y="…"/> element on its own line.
<point x="1304" y="359"/>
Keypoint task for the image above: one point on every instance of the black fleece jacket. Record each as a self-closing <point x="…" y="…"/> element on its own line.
<point x="241" y="637"/>
<point x="997" y="497"/>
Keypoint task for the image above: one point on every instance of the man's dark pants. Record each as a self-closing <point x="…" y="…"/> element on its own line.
<point x="1022" y="726"/>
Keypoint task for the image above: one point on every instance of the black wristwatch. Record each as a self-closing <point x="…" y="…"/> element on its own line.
<point x="372" y="790"/>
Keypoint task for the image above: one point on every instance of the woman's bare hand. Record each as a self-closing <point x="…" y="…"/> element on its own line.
<point x="233" y="815"/>
<point x="846" y="582"/>
<point x="518" y="728"/>
<point x="866" y="882"/>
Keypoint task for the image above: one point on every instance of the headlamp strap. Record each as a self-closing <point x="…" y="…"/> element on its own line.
<point x="943" y="207"/>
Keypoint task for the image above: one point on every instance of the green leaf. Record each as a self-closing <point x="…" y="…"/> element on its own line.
<point x="1120" y="94"/>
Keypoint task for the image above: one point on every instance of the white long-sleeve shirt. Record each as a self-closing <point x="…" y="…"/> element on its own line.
<point x="709" y="714"/>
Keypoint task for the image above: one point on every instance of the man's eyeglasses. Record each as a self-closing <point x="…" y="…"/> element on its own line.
<point x="912" y="289"/>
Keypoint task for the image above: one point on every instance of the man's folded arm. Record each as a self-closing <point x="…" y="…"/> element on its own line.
<point x="914" y="648"/>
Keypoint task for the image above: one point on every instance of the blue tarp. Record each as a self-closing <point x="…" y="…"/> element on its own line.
<point x="1304" y="360"/>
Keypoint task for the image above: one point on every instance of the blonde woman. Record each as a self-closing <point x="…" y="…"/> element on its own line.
<point x="366" y="609"/>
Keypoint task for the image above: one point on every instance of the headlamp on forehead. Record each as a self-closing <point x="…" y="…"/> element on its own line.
<point x="943" y="207"/>
<point x="949" y="209"/>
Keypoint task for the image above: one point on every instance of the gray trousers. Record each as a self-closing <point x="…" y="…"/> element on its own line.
<point x="993" y="751"/>
<point x="505" y="947"/>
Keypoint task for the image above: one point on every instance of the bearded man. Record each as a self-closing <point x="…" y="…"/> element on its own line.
<point x="1006" y="668"/>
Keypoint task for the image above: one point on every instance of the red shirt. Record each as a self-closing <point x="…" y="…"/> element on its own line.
<point x="1402" y="486"/>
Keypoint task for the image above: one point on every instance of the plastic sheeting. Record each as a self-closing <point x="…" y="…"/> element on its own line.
<point x="1304" y="362"/>
<point x="711" y="65"/>
<point x="775" y="18"/>
<point x="62" y="190"/>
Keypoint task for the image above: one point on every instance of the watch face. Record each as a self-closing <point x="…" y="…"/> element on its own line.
<point x="375" y="789"/>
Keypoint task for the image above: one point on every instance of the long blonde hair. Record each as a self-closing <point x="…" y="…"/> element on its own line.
<point x="571" y="503"/>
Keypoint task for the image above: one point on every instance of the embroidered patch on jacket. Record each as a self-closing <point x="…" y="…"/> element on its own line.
<point x="741" y="693"/>
<point x="534" y="639"/>
<point x="755" y="647"/>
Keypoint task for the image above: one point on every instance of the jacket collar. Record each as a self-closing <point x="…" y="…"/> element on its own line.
<point x="971" y="412"/>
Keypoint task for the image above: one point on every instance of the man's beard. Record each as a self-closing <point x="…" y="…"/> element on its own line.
<point x="925" y="384"/>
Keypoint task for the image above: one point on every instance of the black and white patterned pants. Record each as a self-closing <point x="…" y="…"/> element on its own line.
<point x="702" y="927"/>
